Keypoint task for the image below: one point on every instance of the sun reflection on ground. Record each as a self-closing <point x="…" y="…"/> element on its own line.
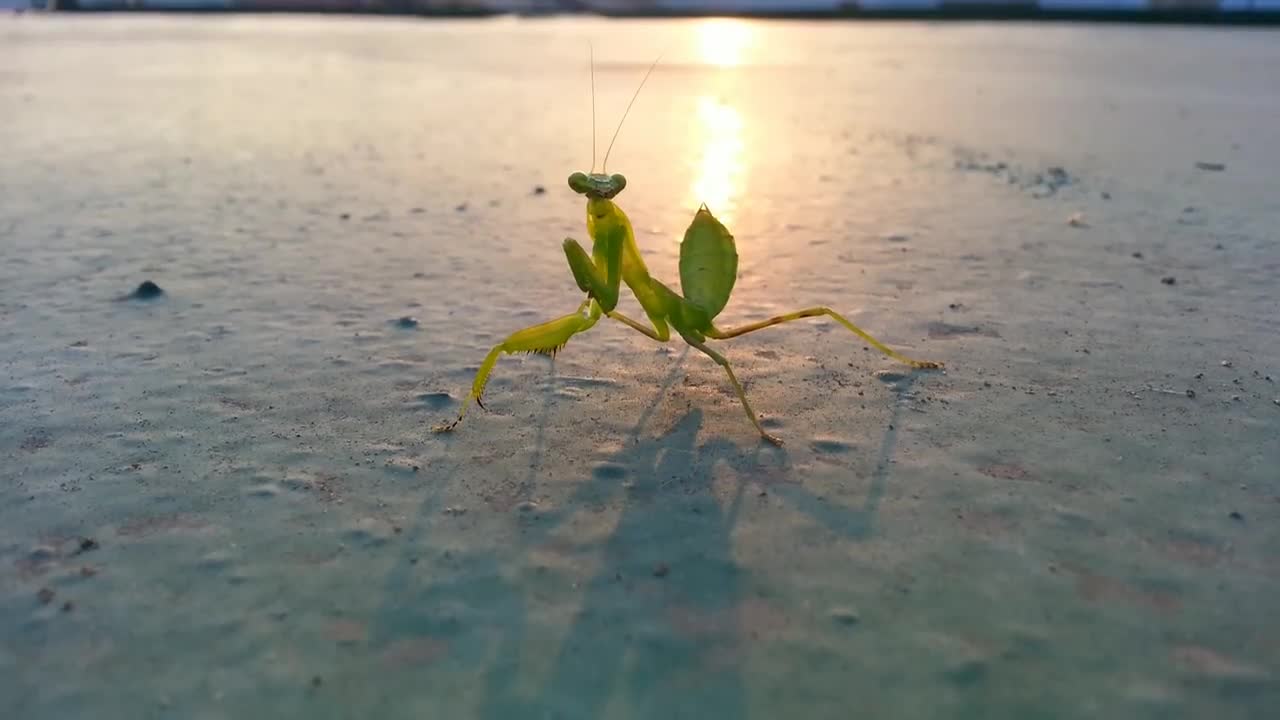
<point x="720" y="172"/>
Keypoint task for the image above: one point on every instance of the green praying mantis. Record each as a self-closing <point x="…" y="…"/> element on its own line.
<point x="708" y="269"/>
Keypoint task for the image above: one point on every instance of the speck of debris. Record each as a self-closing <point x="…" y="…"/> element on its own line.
<point x="1199" y="375"/>
<point x="316" y="681"/>
<point x="1211" y="166"/>
<point x="462" y="207"/>
<point x="1106" y="195"/>
<point x="956" y="306"/>
<point x="1226" y="363"/>
<point x="1137" y="255"/>
<point x="407" y="322"/>
<point x="1077" y="220"/>
<point x="1169" y="280"/>
<point x="539" y="190"/>
<point x="86" y="545"/>
<point x="1235" y="398"/>
<point x="661" y="570"/>
<point x="68" y="606"/>
<point x="1191" y="393"/>
<point x="344" y="216"/>
<point x="845" y="616"/>
<point x="1236" y="516"/>
<point x="45" y="595"/>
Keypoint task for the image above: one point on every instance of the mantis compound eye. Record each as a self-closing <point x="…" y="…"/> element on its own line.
<point x="579" y="183"/>
<point x="619" y="182"/>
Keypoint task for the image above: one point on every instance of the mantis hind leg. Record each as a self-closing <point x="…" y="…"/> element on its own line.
<point x="545" y="339"/>
<point x="737" y="386"/>
<point x="816" y="312"/>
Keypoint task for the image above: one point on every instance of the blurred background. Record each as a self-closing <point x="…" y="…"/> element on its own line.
<point x="1238" y="9"/>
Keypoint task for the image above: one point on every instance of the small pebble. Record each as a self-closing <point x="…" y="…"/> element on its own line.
<point x="845" y="616"/>
<point x="1169" y="280"/>
<point x="87" y="544"/>
<point x="1191" y="393"/>
<point x="1137" y="255"/>
<point x="407" y="322"/>
<point x="68" y="606"/>
<point x="661" y="570"/>
<point x="1077" y="220"/>
<point x="147" y="290"/>
<point x="1236" y="516"/>
<point x="1226" y="363"/>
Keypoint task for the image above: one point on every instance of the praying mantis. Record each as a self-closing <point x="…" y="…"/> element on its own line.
<point x="708" y="270"/>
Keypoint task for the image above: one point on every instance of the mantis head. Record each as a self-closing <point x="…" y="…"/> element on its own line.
<point x="597" y="185"/>
<point x="601" y="185"/>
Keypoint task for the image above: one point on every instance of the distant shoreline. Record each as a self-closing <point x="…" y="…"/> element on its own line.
<point x="970" y="13"/>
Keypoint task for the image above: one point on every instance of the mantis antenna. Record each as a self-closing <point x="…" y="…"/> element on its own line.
<point x="591" y="54"/>
<point x="604" y="166"/>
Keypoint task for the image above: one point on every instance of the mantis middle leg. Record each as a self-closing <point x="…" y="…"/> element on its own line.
<point x="816" y="312"/>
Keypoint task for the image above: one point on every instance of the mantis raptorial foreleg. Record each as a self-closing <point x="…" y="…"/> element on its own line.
<point x="816" y="312"/>
<point x="544" y="339"/>
<point x="603" y="286"/>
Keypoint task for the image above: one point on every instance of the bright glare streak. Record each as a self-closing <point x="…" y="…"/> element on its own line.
<point x="721" y="168"/>
<point x="722" y="41"/>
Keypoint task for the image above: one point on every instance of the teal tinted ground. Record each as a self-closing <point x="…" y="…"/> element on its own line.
<point x="1077" y="520"/>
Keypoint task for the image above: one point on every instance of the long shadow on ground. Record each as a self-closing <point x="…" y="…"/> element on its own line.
<point x="656" y="622"/>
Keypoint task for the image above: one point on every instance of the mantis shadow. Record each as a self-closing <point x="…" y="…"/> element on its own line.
<point x="659" y="621"/>
<point x="657" y="624"/>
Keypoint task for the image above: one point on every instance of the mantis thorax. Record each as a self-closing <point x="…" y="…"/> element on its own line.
<point x="597" y="185"/>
